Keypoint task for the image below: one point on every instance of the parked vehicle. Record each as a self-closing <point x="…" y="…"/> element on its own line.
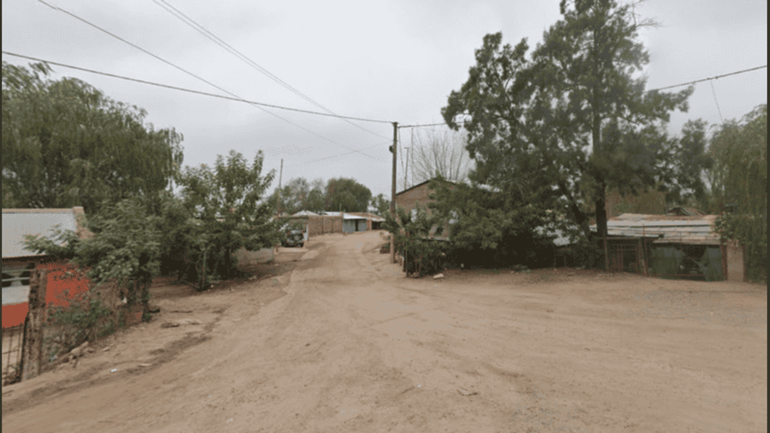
<point x="294" y="238"/>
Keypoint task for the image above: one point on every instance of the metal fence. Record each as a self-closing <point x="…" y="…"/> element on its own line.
<point x="13" y="342"/>
<point x="624" y="255"/>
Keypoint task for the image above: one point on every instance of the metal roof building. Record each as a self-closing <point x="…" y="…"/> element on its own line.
<point x="665" y="229"/>
<point x="17" y="223"/>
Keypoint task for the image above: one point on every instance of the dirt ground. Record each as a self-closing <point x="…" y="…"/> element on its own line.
<point x="345" y="343"/>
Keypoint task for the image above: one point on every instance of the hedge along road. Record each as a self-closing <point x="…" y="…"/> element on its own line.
<point x="354" y="346"/>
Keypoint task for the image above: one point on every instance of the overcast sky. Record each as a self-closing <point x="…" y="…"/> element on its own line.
<point x="395" y="61"/>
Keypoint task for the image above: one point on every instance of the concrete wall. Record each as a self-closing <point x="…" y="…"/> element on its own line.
<point x="60" y="285"/>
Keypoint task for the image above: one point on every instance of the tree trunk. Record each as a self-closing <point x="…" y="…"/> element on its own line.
<point x="227" y="263"/>
<point x="601" y="212"/>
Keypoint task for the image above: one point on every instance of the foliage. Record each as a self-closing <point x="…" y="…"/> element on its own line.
<point x="739" y="178"/>
<point x="66" y="144"/>
<point x="84" y="319"/>
<point x="573" y="120"/>
<point x="380" y="205"/>
<point x="491" y="227"/>
<point x="347" y="195"/>
<point x="441" y="152"/>
<point x="227" y="210"/>
<point x="124" y="249"/>
<point x="298" y="194"/>
<point x="414" y="240"/>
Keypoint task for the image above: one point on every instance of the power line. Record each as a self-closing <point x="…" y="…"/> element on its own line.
<point x="337" y="156"/>
<point x="424" y="125"/>
<point x="707" y="79"/>
<point x="197" y="92"/>
<point x="199" y="78"/>
<point x="211" y="36"/>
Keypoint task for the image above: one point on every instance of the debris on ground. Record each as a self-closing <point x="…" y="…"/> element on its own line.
<point x="438" y="276"/>
<point x="466" y="393"/>
<point x="77" y="352"/>
<point x="180" y="322"/>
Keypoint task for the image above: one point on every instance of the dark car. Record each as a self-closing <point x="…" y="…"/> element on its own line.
<point x="294" y="238"/>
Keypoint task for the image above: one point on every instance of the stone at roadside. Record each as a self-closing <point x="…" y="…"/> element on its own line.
<point x="78" y="351"/>
<point x="180" y="322"/>
<point x="438" y="276"/>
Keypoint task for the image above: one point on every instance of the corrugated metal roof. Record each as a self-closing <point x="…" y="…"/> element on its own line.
<point x="305" y="213"/>
<point x="17" y="223"/>
<point x="665" y="228"/>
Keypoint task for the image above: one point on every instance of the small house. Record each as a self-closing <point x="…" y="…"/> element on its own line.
<point x="671" y="246"/>
<point x="19" y="262"/>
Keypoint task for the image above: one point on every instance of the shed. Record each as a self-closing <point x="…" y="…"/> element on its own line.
<point x="671" y="246"/>
<point x="18" y="262"/>
<point x="353" y="223"/>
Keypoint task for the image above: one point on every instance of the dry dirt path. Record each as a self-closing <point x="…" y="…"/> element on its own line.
<point x="355" y="347"/>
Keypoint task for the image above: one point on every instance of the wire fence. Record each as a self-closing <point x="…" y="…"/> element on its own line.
<point x="13" y="341"/>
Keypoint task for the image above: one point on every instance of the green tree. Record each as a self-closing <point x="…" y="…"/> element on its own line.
<point x="492" y="227"/>
<point x="568" y="117"/>
<point x="738" y="181"/>
<point x="124" y="249"/>
<point x="381" y="205"/>
<point x="347" y="195"/>
<point x="225" y="202"/>
<point x="65" y="143"/>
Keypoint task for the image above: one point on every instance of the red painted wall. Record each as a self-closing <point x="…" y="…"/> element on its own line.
<point x="60" y="288"/>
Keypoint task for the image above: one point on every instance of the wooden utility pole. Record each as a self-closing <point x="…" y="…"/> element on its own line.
<point x="280" y="177"/>
<point x="393" y="199"/>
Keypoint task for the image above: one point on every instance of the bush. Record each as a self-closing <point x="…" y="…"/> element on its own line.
<point x="413" y="239"/>
<point x="86" y="318"/>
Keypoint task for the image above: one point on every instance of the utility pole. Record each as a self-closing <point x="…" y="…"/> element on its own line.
<point x="280" y="177"/>
<point x="393" y="198"/>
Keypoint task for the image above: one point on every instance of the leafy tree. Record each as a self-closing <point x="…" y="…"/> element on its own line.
<point x="299" y="194"/>
<point x="492" y="227"/>
<point x="569" y="117"/>
<point x="381" y="205"/>
<point x="347" y="195"/>
<point x="225" y="204"/>
<point x="738" y="180"/>
<point x="65" y="143"/>
<point x="124" y="249"/>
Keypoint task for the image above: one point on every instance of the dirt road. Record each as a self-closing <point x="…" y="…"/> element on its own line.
<point x="353" y="346"/>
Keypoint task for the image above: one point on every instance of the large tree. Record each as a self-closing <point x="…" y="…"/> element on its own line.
<point x="347" y="195"/>
<point x="738" y="181"/>
<point x="225" y="202"/>
<point x="566" y="118"/>
<point x="65" y="143"/>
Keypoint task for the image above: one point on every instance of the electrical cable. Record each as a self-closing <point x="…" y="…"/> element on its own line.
<point x="336" y="156"/>
<point x="706" y="79"/>
<point x="197" y="92"/>
<point x="202" y="79"/>
<point x="211" y="36"/>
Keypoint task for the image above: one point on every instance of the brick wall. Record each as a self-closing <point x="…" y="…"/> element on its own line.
<point x="318" y="225"/>
<point x="409" y="199"/>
